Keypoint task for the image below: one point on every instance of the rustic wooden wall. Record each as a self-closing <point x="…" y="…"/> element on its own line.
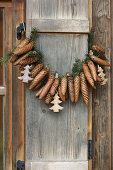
<point x="17" y="91"/>
<point x="102" y="96"/>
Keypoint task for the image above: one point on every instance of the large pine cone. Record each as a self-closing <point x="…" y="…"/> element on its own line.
<point x="22" y="58"/>
<point x="71" y="87"/>
<point x="48" y="98"/>
<point x="24" y="49"/>
<point x="63" y="85"/>
<point x="76" y="87"/>
<point x="29" y="60"/>
<point x="54" y="87"/>
<point x="60" y="94"/>
<point x="84" y="89"/>
<point x="13" y="58"/>
<point x="47" y="86"/>
<point x="93" y="69"/>
<point x="39" y="77"/>
<point x="99" y="61"/>
<point x="88" y="75"/>
<point x="37" y="69"/>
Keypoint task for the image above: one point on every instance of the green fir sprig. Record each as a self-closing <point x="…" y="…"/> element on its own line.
<point x="5" y="59"/>
<point x="34" y="34"/>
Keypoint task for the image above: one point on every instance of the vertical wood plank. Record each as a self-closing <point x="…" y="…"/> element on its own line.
<point x="7" y="118"/>
<point x="17" y="91"/>
<point x="102" y="95"/>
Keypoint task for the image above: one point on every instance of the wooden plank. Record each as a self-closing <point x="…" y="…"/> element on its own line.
<point x="60" y="9"/>
<point x="7" y="118"/>
<point x="2" y="91"/>
<point x="5" y="4"/>
<point x="59" y="25"/>
<point x="83" y="165"/>
<point x="17" y="92"/>
<point x="102" y="95"/>
<point x="62" y="136"/>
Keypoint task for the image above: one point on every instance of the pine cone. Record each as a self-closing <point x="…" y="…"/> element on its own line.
<point x="23" y="43"/>
<point x="37" y="86"/>
<point x="76" y="87"/>
<point x="37" y="69"/>
<point x="39" y="91"/>
<point x="13" y="59"/>
<point x="93" y="70"/>
<point x="39" y="77"/>
<point x="22" y="58"/>
<point x="32" y="67"/>
<point x="99" y="61"/>
<point x="24" y="49"/>
<point x="98" y="49"/>
<point x="84" y="89"/>
<point x="71" y="87"/>
<point x="47" y="86"/>
<point x="48" y="99"/>
<point x="63" y="85"/>
<point x="54" y="87"/>
<point x="60" y="94"/>
<point x="66" y="95"/>
<point x="29" y="60"/>
<point x="88" y="75"/>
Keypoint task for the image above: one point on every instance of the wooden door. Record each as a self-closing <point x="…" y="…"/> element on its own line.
<point x="57" y="141"/>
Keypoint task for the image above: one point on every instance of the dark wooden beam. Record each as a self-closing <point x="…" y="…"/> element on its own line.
<point x="18" y="7"/>
<point x="102" y="95"/>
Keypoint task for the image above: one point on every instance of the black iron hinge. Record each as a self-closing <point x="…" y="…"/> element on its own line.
<point x="90" y="151"/>
<point x="20" y="165"/>
<point x="20" y="28"/>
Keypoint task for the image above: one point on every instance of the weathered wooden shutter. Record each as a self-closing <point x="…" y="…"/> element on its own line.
<point x="57" y="141"/>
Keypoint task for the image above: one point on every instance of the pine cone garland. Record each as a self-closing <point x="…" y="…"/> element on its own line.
<point x="22" y="58"/>
<point x="29" y="60"/>
<point x="47" y="86"/>
<point x="84" y="89"/>
<point x="93" y="70"/>
<point x="88" y="75"/>
<point x="39" y="77"/>
<point x="24" y="49"/>
<point x="76" y="87"/>
<point x="37" y="69"/>
<point x="60" y="94"/>
<point x="63" y="85"/>
<point x="71" y="87"/>
<point x="48" y="98"/>
<point x="54" y="87"/>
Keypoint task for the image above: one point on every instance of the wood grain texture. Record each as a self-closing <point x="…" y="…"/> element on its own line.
<point x="62" y="136"/>
<point x="61" y="25"/>
<point x="60" y="9"/>
<point x="7" y="118"/>
<point x="17" y="92"/>
<point x="83" y="165"/>
<point x="58" y="16"/>
<point x="102" y="95"/>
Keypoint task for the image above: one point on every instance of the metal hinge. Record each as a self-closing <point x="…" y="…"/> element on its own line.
<point x="90" y="151"/>
<point x="20" y="165"/>
<point x="20" y="28"/>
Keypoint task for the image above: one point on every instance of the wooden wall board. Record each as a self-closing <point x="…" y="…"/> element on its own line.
<point x="102" y="96"/>
<point x="61" y="136"/>
<point x="7" y="118"/>
<point x="18" y="11"/>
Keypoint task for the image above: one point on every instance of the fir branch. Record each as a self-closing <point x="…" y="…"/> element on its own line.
<point x="34" y="34"/>
<point x="37" y="52"/>
<point x="77" y="67"/>
<point x="5" y="59"/>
